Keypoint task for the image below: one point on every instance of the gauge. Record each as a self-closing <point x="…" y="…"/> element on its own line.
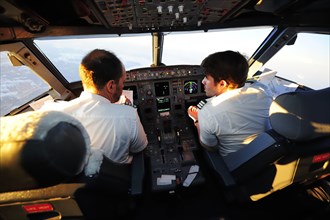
<point x="190" y="87"/>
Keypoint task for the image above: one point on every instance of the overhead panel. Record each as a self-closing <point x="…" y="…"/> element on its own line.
<point x="157" y="14"/>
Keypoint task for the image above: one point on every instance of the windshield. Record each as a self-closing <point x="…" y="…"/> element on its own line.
<point x="193" y="47"/>
<point x="18" y="84"/>
<point x="136" y="51"/>
<point x="66" y="53"/>
<point x="305" y="62"/>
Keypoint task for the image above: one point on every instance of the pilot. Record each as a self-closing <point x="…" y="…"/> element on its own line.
<point x="115" y="130"/>
<point x="236" y="111"/>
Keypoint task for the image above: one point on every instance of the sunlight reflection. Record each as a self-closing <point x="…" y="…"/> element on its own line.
<point x="276" y="108"/>
<point x="321" y="128"/>
<point x="249" y="139"/>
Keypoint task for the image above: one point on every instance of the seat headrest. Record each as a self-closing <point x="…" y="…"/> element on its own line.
<point x="302" y="116"/>
<point x="41" y="148"/>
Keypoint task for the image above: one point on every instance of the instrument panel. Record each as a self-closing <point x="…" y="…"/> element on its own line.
<point x="162" y="96"/>
<point x="165" y="91"/>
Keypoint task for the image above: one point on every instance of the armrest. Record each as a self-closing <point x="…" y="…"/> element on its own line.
<point x="259" y="144"/>
<point x="216" y="161"/>
<point x="137" y="174"/>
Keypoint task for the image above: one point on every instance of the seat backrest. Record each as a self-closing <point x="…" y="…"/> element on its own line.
<point x="40" y="149"/>
<point x="302" y="116"/>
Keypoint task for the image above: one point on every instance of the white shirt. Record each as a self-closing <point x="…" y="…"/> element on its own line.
<point x="114" y="129"/>
<point x="233" y="119"/>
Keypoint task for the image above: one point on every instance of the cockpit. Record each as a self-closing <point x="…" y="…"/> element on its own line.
<point x="161" y="44"/>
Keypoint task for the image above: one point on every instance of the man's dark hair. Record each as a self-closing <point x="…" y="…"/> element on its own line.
<point x="101" y="66"/>
<point x="227" y="65"/>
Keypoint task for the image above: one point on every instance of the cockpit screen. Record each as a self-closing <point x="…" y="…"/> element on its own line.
<point x="163" y="104"/>
<point x="162" y="89"/>
<point x="190" y="87"/>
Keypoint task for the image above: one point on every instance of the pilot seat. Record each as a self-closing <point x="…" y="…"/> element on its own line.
<point x="42" y="158"/>
<point x="40" y="152"/>
<point x="295" y="151"/>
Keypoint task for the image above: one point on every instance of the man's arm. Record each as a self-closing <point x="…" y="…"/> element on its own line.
<point x="193" y="114"/>
<point x="139" y="136"/>
<point x="207" y="147"/>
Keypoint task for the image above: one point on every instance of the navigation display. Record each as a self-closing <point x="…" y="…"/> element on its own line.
<point x="190" y="87"/>
<point x="162" y="89"/>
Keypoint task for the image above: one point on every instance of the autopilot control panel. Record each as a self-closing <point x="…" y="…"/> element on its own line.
<point x="162" y="96"/>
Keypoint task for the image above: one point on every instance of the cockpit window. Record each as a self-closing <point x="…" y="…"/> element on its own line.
<point x="67" y="52"/>
<point x="193" y="47"/>
<point x="305" y="62"/>
<point x="136" y="51"/>
<point x="18" y="85"/>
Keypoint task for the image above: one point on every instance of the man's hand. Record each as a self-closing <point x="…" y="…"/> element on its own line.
<point x="128" y="101"/>
<point x="123" y="100"/>
<point x="193" y="113"/>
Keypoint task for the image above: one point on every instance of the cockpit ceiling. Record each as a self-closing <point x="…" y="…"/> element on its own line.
<point x="136" y="16"/>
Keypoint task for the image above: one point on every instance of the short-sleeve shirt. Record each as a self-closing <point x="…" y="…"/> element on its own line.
<point x="114" y="129"/>
<point x="233" y="119"/>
